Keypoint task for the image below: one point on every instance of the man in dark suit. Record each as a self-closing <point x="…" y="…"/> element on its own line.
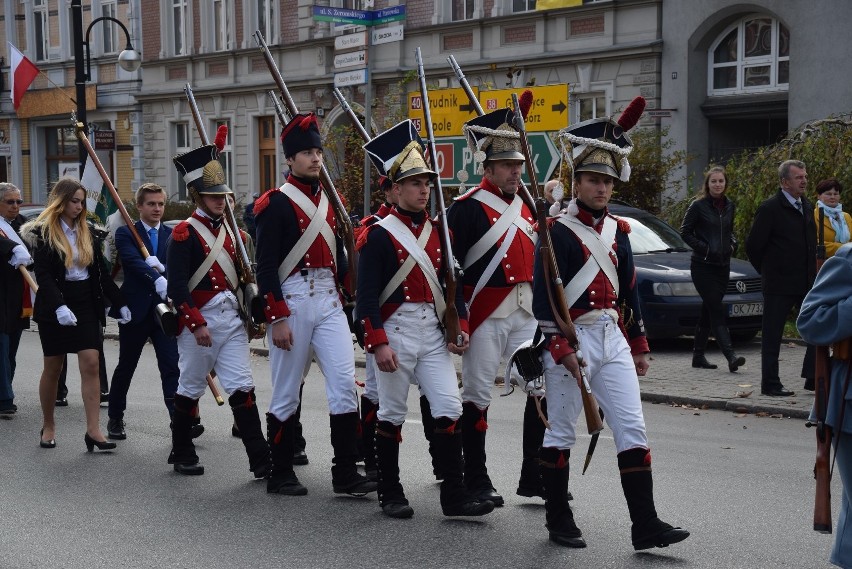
<point x="782" y="247"/>
<point x="144" y="287"/>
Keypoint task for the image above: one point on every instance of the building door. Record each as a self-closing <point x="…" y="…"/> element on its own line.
<point x="267" y="155"/>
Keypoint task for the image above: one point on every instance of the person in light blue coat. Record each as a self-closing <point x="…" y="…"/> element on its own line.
<point x="826" y="318"/>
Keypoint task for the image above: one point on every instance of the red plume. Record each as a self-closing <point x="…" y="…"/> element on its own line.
<point x="631" y="114"/>
<point x="221" y="136"/>
<point x="525" y="101"/>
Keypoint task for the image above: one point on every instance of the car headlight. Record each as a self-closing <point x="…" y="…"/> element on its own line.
<point x="675" y="289"/>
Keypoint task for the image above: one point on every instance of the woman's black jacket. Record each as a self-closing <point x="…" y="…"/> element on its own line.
<point x="710" y="231"/>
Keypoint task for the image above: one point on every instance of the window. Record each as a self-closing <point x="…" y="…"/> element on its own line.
<point x="179" y="27"/>
<point x="266" y="19"/>
<point x="591" y="106"/>
<point x="42" y="30"/>
<point x="751" y="56"/>
<point x="462" y="10"/>
<point x="181" y="145"/>
<point x="110" y="29"/>
<point x="225" y="155"/>
<point x="221" y="25"/>
<point x="61" y="149"/>
<point x="523" y="5"/>
<point x="267" y="138"/>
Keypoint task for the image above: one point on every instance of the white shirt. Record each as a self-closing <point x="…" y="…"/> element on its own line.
<point x="793" y="201"/>
<point x="75" y="272"/>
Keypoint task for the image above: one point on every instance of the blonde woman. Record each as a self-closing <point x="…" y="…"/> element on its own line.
<point x="70" y="302"/>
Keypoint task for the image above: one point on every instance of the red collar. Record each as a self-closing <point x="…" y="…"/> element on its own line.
<point x="407" y="220"/>
<point x="305" y="188"/>
<point x="587" y="217"/>
<point x="209" y="223"/>
<point x="486" y="185"/>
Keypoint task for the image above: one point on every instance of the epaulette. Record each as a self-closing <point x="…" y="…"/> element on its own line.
<point x="467" y="194"/>
<point x="550" y="221"/>
<point x="623" y="225"/>
<point x="361" y="237"/>
<point x="181" y="232"/>
<point x="262" y="202"/>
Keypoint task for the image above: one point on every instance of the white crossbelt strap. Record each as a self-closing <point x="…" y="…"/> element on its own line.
<point x="510" y="214"/>
<point x="217" y="254"/>
<point x="406" y="266"/>
<point x="405" y="237"/>
<point x="317" y="226"/>
<point x="493" y="264"/>
<point x="600" y="247"/>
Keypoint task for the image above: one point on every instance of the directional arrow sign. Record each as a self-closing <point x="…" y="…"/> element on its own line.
<point x="549" y="110"/>
<point x="453" y="155"/>
<point x="450" y="110"/>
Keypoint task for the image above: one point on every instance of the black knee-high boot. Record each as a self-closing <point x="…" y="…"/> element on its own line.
<point x="637" y="482"/>
<point x="344" y="474"/>
<point x="279" y="435"/>
<point x="455" y="498"/>
<point x="560" y="519"/>
<point x="474" y="425"/>
<point x="698" y="360"/>
<point x="429" y="433"/>
<point x="368" y="436"/>
<point x="247" y="418"/>
<point x="391" y="495"/>
<point x="723" y="338"/>
<point x="183" y="455"/>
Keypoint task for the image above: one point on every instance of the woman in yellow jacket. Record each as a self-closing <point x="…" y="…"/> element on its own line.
<point x="837" y="223"/>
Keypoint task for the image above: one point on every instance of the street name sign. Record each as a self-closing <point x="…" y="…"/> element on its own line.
<point x="350" y="41"/>
<point x="359" y="17"/>
<point x="549" y="111"/>
<point x="349" y="78"/>
<point x="388" y="34"/>
<point x="350" y="59"/>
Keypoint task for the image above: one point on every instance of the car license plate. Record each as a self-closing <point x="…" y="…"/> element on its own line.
<point x="745" y="309"/>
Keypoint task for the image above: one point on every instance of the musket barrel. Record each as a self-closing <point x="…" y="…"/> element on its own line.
<point x="352" y="116"/>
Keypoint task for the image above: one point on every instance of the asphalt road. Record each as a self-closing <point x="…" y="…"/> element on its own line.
<point x="741" y="484"/>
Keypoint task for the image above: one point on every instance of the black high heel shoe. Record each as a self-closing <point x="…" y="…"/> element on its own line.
<point x="46" y="444"/>
<point x="102" y="445"/>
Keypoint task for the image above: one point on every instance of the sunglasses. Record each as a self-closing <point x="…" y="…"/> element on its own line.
<point x="13" y="202"/>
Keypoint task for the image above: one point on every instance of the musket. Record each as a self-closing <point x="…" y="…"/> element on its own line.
<point x="522" y="189"/>
<point x="28" y="277"/>
<point x="166" y="315"/>
<point x="453" y="269"/>
<point x="344" y="104"/>
<point x="554" y="286"/>
<point x="253" y="304"/>
<point x="340" y="213"/>
<point x="822" y="470"/>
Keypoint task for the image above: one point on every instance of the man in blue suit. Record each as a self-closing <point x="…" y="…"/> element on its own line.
<point x="145" y="287"/>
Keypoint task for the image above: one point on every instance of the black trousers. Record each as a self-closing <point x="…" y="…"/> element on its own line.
<point x="776" y="308"/>
<point x="711" y="282"/>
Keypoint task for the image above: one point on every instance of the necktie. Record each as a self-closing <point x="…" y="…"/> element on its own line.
<point x="799" y="206"/>
<point x="152" y="233"/>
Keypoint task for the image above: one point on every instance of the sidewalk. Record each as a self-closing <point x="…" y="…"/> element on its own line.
<point x="671" y="378"/>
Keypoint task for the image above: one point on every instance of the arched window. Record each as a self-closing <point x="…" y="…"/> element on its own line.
<point x="752" y="56"/>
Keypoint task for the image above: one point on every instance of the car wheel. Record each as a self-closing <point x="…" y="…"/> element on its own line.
<point x="743" y="337"/>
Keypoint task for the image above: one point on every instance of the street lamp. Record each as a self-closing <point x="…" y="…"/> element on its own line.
<point x="129" y="60"/>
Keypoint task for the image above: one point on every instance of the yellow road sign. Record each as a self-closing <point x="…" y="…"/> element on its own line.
<point x="549" y="110"/>
<point x="450" y="109"/>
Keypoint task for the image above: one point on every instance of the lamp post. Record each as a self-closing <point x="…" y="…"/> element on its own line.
<point x="129" y="60"/>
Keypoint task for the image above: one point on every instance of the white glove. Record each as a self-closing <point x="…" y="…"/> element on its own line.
<point x="65" y="316"/>
<point x="20" y="256"/>
<point x="125" y="315"/>
<point x="161" y="285"/>
<point x="155" y="264"/>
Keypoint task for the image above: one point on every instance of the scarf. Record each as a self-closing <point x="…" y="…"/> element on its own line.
<point x="838" y="222"/>
<point x="27" y="295"/>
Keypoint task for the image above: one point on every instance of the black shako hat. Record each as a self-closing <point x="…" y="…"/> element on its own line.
<point x="398" y="152"/>
<point x="301" y="133"/>
<point x="202" y="171"/>
<point x="492" y="137"/>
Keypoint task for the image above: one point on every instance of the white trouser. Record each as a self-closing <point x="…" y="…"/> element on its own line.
<point x="371" y="388"/>
<point x="317" y="322"/>
<point x="229" y="354"/>
<point x="414" y="334"/>
<point x="493" y="340"/>
<point x="612" y="375"/>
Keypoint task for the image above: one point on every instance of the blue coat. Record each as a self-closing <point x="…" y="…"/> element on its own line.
<point x="138" y="287"/>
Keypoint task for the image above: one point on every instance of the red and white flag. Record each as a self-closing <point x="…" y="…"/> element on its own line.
<point x="21" y="75"/>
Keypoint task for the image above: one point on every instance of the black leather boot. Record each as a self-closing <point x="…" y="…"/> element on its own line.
<point x="183" y="455"/>
<point x="638" y="484"/>
<point x="391" y="495"/>
<point x="723" y="338"/>
<point x="698" y="359"/>
<point x="345" y="477"/>
<point x="279" y="435"/>
<point x="530" y="484"/>
<point x="368" y="436"/>
<point x="560" y="519"/>
<point x="429" y="433"/>
<point x="244" y="406"/>
<point x="300" y="457"/>
<point x="455" y="498"/>
<point x="474" y="424"/>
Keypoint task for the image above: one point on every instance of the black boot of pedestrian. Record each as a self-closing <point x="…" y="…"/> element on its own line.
<point x="474" y="424"/>
<point x="698" y="359"/>
<point x="560" y="519"/>
<point x="300" y="457"/>
<point x="456" y="500"/>
<point x="391" y="495"/>
<point x="345" y="477"/>
<point x="723" y="338"/>
<point x="429" y="433"/>
<point x="638" y="484"/>
<point x="183" y="455"/>
<point x="246" y="416"/>
<point x="280" y="435"/>
<point x="368" y="436"/>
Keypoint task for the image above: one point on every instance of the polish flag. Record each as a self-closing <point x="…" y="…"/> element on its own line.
<point x="21" y="75"/>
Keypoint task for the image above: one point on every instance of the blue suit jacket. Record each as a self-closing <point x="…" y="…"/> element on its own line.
<point x="138" y="287"/>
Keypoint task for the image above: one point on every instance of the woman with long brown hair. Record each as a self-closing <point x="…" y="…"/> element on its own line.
<point x="69" y="305"/>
